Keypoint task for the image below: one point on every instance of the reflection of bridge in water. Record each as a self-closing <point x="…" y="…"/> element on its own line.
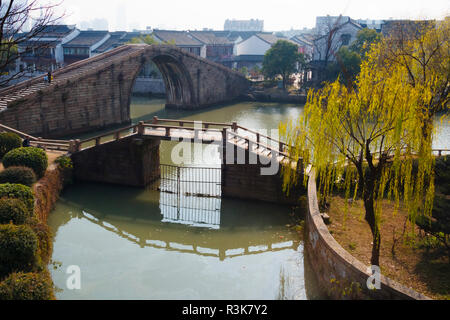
<point x="212" y="245"/>
<point x="222" y="235"/>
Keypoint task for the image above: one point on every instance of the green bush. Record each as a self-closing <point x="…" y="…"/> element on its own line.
<point x="18" y="249"/>
<point x="8" y="142"/>
<point x="30" y="157"/>
<point x="27" y="286"/>
<point x="20" y="175"/>
<point x="44" y="236"/>
<point x="65" y="164"/>
<point x="18" y="191"/>
<point x="13" y="210"/>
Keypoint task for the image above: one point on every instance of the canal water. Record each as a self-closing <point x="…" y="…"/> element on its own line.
<point x="131" y="243"/>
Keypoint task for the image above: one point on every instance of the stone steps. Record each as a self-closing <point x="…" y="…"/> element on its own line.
<point x="62" y="76"/>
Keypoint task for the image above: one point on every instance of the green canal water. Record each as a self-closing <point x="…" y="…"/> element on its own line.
<point x="132" y="243"/>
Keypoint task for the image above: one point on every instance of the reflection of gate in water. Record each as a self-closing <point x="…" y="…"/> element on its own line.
<point x="191" y="195"/>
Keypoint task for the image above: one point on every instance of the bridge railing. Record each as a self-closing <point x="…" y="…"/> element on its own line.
<point x="282" y="147"/>
<point x="220" y="131"/>
<point x="48" y="144"/>
<point x="204" y="124"/>
<point x="114" y="135"/>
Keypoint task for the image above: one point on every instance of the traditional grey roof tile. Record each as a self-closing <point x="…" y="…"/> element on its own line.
<point x="181" y="38"/>
<point x="86" y="39"/>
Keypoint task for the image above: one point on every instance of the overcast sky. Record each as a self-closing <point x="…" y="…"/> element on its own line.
<point x="277" y="14"/>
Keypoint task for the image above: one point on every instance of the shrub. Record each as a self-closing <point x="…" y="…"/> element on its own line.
<point x="65" y="164"/>
<point x="8" y="142"/>
<point x="20" y="175"/>
<point x="27" y="286"/>
<point x="13" y="210"/>
<point x="18" y="191"/>
<point x="18" y="249"/>
<point x="44" y="236"/>
<point x="30" y="157"/>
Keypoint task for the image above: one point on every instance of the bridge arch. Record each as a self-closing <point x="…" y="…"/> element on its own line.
<point x="177" y="79"/>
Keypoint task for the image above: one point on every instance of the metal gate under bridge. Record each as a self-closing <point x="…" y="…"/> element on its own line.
<point x="190" y="195"/>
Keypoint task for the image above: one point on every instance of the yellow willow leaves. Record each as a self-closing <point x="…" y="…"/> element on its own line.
<point x="382" y="113"/>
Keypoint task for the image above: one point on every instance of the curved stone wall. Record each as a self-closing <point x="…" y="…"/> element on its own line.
<point x="339" y="274"/>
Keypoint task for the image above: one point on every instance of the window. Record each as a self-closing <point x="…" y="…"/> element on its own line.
<point x="76" y="51"/>
<point x="345" y="39"/>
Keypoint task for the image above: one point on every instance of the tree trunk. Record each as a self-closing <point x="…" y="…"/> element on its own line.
<point x="371" y="220"/>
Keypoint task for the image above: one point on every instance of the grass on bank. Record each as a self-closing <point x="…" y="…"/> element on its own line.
<point x="418" y="261"/>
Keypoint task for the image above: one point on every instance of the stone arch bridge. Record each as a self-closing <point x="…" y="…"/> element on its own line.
<point x="96" y="92"/>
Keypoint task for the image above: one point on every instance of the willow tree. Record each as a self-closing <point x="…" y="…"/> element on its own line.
<point x="422" y="49"/>
<point x="366" y="134"/>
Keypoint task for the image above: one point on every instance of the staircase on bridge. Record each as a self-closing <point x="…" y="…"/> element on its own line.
<point x="72" y="71"/>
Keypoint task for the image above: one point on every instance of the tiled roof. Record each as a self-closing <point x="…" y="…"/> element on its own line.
<point x="116" y="39"/>
<point x="301" y="39"/>
<point x="210" y="38"/>
<point x="234" y="35"/>
<point x="56" y="31"/>
<point x="86" y="39"/>
<point x="130" y="35"/>
<point x="271" y="38"/>
<point x="181" y="38"/>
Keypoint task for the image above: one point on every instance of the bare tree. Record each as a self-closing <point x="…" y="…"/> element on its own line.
<point x="326" y="45"/>
<point x="15" y="15"/>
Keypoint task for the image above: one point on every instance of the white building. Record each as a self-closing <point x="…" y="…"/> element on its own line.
<point x="244" y="25"/>
<point x="327" y="45"/>
<point x="251" y="51"/>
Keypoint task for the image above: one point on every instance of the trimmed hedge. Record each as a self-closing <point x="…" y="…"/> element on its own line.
<point x="19" y="175"/>
<point x="13" y="210"/>
<point x="18" y="191"/>
<point x="65" y="164"/>
<point x="30" y="157"/>
<point x="18" y="249"/>
<point x="8" y="142"/>
<point x="44" y="236"/>
<point x="27" y="286"/>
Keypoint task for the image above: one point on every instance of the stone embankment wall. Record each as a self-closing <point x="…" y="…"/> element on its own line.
<point x="46" y="192"/>
<point x="132" y="161"/>
<point x="249" y="182"/>
<point x="339" y="274"/>
<point x="271" y="96"/>
<point x="149" y="86"/>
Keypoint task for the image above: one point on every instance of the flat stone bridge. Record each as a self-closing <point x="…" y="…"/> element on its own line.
<point x="95" y="93"/>
<point x="130" y="156"/>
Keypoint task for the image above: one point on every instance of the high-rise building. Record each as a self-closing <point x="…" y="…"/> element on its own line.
<point x="244" y="25"/>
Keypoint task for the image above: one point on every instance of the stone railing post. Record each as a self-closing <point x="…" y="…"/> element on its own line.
<point x="141" y="128"/>
<point x="72" y="146"/>
<point x="155" y="120"/>
<point x="77" y="145"/>
<point x="224" y="145"/>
